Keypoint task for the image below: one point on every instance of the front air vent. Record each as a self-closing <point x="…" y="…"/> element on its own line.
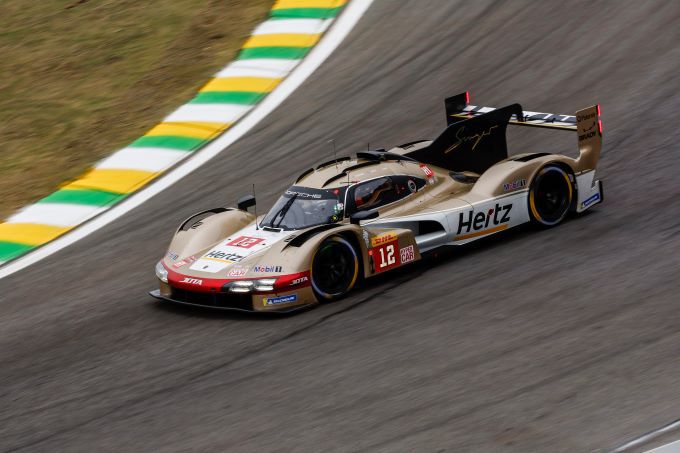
<point x="429" y="226"/>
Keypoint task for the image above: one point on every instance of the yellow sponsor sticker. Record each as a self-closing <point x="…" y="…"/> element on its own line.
<point x="383" y="238"/>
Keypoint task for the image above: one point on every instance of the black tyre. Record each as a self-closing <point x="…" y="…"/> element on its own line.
<point x="550" y="196"/>
<point x="335" y="268"/>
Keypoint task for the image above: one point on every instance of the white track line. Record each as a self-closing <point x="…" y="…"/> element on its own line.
<point x="648" y="436"/>
<point x="328" y="43"/>
<point x="673" y="447"/>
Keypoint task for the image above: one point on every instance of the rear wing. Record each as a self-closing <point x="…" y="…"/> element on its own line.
<point x="475" y="136"/>
<point x="458" y="107"/>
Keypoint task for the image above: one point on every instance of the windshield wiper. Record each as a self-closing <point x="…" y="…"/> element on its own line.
<point x="282" y="212"/>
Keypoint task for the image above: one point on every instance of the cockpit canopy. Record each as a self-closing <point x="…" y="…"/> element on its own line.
<point x="302" y="207"/>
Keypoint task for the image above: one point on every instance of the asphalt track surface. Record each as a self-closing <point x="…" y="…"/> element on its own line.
<point x="566" y="339"/>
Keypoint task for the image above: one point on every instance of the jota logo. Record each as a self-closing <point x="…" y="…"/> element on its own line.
<point x="496" y="216"/>
<point x="193" y="281"/>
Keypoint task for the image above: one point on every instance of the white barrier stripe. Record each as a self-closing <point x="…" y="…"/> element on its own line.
<point x="274" y="64"/>
<point x="215" y="113"/>
<point x="295" y="26"/>
<point x="142" y="158"/>
<point x="56" y="214"/>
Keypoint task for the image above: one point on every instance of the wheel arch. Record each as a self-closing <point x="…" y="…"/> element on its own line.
<point x="567" y="168"/>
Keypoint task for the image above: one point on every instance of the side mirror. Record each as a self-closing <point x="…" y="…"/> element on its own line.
<point x="245" y="202"/>
<point x="363" y="215"/>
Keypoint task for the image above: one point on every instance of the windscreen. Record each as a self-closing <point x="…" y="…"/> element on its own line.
<point x="302" y="207"/>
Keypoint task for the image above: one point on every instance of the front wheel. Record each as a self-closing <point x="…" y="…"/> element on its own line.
<point x="550" y="196"/>
<point x="335" y="268"/>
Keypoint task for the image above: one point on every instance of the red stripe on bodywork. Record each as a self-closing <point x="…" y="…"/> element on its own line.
<point x="209" y="285"/>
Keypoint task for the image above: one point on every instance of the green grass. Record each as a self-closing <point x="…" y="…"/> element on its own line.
<point x="80" y="79"/>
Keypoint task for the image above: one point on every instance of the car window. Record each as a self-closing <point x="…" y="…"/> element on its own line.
<point x="382" y="191"/>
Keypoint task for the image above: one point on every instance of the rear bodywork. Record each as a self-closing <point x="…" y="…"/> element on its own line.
<point x="452" y="190"/>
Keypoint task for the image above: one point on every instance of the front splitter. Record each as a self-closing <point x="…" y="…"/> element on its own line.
<point x="157" y="294"/>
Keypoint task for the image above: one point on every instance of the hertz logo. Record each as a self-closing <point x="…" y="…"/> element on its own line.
<point x="483" y="222"/>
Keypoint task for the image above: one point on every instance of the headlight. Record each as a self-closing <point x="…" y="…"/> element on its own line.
<point x="161" y="272"/>
<point x="241" y="286"/>
<point x="247" y="286"/>
<point x="265" y="284"/>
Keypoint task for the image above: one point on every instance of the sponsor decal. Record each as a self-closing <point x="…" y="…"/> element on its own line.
<point x="383" y="238"/>
<point x="267" y="268"/>
<point x="407" y="254"/>
<point x="245" y="242"/>
<point x="462" y="138"/>
<point x="279" y="300"/>
<point x="586" y="135"/>
<point x="297" y="281"/>
<point x="238" y="271"/>
<point x="224" y="256"/>
<point x="184" y="262"/>
<point x="429" y="173"/>
<point x="364" y="233"/>
<point x="514" y="185"/>
<point x="172" y="255"/>
<point x="591" y="200"/>
<point x="590" y="132"/>
<point x="585" y="117"/>
<point x="483" y="221"/>
<point x="193" y="281"/>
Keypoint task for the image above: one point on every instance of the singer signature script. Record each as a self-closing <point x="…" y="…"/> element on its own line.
<point x="462" y="138"/>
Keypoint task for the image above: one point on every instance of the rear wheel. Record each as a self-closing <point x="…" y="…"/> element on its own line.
<point x="550" y="196"/>
<point x="335" y="268"/>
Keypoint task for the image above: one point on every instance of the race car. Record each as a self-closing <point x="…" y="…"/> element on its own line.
<point x="357" y="217"/>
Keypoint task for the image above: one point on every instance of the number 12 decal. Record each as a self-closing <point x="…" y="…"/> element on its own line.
<point x="390" y="256"/>
<point x="386" y="256"/>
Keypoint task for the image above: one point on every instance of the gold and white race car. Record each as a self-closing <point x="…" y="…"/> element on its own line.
<point x="357" y="217"/>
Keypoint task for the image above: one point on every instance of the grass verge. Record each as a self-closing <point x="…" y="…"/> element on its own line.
<point x="83" y="78"/>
